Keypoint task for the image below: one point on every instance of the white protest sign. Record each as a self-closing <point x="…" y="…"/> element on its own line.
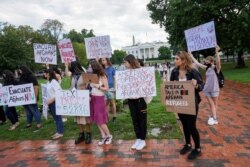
<point x="98" y="47"/>
<point x="44" y="97"/>
<point x="201" y="37"/>
<point x="72" y="102"/>
<point x="66" y="51"/>
<point x="45" y="53"/>
<point x="4" y="96"/>
<point x="135" y="83"/>
<point x="21" y="95"/>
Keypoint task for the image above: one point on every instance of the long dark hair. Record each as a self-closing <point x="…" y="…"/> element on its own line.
<point x="76" y="68"/>
<point x="26" y="73"/>
<point x="132" y="61"/>
<point x="9" y="78"/>
<point x="51" y="73"/>
<point x="57" y="71"/>
<point x="97" y="68"/>
<point x="108" y="62"/>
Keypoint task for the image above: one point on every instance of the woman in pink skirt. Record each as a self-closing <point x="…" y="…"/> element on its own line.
<point x="98" y="112"/>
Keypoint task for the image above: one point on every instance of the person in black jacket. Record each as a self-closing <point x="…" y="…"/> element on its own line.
<point x="184" y="71"/>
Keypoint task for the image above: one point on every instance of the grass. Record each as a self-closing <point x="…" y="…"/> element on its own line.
<point x="121" y="129"/>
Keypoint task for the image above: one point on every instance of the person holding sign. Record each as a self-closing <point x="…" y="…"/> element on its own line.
<point x="2" y="113"/>
<point x="185" y="71"/>
<point x="52" y="87"/>
<point x="9" y="79"/>
<point x="110" y="94"/>
<point x="31" y="110"/>
<point x="138" y="109"/>
<point x="98" y="112"/>
<point x="75" y="70"/>
<point x="211" y="89"/>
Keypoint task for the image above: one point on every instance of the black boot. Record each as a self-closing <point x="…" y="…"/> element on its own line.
<point x="80" y="138"/>
<point x="88" y="138"/>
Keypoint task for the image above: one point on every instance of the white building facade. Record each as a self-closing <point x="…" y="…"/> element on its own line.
<point x="145" y="50"/>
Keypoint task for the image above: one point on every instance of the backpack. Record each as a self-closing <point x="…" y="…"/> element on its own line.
<point x="220" y="78"/>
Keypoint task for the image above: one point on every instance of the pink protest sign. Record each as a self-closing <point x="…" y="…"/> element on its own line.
<point x="201" y="37"/>
<point x="66" y="51"/>
<point x="135" y="83"/>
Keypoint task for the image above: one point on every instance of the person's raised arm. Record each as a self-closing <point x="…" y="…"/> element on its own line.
<point x="67" y="72"/>
<point x="196" y="62"/>
<point x="217" y="57"/>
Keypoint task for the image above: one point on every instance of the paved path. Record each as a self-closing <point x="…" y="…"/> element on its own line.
<point x="226" y="144"/>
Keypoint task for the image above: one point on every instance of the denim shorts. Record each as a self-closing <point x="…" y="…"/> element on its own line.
<point x="109" y="95"/>
<point x="211" y="94"/>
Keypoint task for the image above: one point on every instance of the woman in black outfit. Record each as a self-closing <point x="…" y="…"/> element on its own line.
<point x="185" y="71"/>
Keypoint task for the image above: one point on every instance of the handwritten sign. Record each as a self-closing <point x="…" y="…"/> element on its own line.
<point x="179" y="97"/>
<point x="201" y="37"/>
<point x="44" y="97"/>
<point x="66" y="51"/>
<point x="72" y="103"/>
<point x="21" y="95"/>
<point x="98" y="47"/>
<point x="4" y="96"/>
<point x="87" y="78"/>
<point x="135" y="83"/>
<point x="45" y="53"/>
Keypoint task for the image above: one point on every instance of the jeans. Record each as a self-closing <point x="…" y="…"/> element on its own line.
<point x="57" y="118"/>
<point x="11" y="114"/>
<point x="32" y="110"/>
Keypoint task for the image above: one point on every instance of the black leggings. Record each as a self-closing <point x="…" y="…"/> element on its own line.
<point x="138" y="112"/>
<point x="2" y="114"/>
<point x="189" y="128"/>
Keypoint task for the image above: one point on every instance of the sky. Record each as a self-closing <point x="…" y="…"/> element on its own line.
<point x="121" y="19"/>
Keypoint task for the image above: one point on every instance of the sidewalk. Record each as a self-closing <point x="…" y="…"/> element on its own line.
<point x="226" y="144"/>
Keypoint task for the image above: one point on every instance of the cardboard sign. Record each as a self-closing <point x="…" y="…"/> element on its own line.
<point x="98" y="47"/>
<point x="21" y="95"/>
<point x="4" y="96"/>
<point x="135" y="83"/>
<point x="90" y="78"/>
<point x="72" y="102"/>
<point x="179" y="97"/>
<point x="66" y="51"/>
<point x="201" y="37"/>
<point x="44" y="97"/>
<point x="45" y="53"/>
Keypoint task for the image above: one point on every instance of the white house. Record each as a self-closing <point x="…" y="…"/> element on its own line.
<point x="144" y="50"/>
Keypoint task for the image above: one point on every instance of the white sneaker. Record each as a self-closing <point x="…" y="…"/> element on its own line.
<point x="210" y="119"/>
<point x="109" y="139"/>
<point x="137" y="141"/>
<point x="141" y="145"/>
<point x="102" y="141"/>
<point x="64" y="119"/>
<point x="213" y="122"/>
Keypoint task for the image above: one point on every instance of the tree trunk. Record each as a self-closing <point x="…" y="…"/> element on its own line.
<point x="241" y="61"/>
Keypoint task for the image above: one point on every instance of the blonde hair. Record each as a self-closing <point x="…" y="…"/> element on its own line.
<point x="187" y="60"/>
<point x="210" y="59"/>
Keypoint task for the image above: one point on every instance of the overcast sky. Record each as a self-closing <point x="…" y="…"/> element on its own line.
<point x="121" y="19"/>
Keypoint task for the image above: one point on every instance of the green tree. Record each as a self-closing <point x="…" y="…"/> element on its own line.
<point x="164" y="53"/>
<point x="80" y="52"/>
<point x="117" y="56"/>
<point x="232" y="21"/>
<point x="79" y="36"/>
<point x="52" y="29"/>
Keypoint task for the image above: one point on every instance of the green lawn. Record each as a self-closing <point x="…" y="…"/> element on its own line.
<point x="158" y="118"/>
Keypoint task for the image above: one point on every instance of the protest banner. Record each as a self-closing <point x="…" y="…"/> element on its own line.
<point x="66" y="51"/>
<point x="44" y="98"/>
<point x="135" y="83"/>
<point x="45" y="53"/>
<point x="72" y="102"/>
<point x="4" y="96"/>
<point x="90" y="78"/>
<point x="179" y="97"/>
<point x="21" y="95"/>
<point x="98" y="47"/>
<point x="201" y="37"/>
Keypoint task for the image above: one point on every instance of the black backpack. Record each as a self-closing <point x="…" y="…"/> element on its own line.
<point x="220" y="77"/>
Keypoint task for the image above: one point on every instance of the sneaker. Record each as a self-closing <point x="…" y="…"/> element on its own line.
<point x="213" y="122"/>
<point x="210" y="119"/>
<point x="38" y="126"/>
<point x="80" y="138"/>
<point x="102" y="141"/>
<point x="137" y="141"/>
<point x="64" y="119"/>
<point x="109" y="139"/>
<point x="57" y="136"/>
<point x="186" y="149"/>
<point x="28" y="126"/>
<point x="141" y="145"/>
<point x="194" y="154"/>
<point x="13" y="127"/>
